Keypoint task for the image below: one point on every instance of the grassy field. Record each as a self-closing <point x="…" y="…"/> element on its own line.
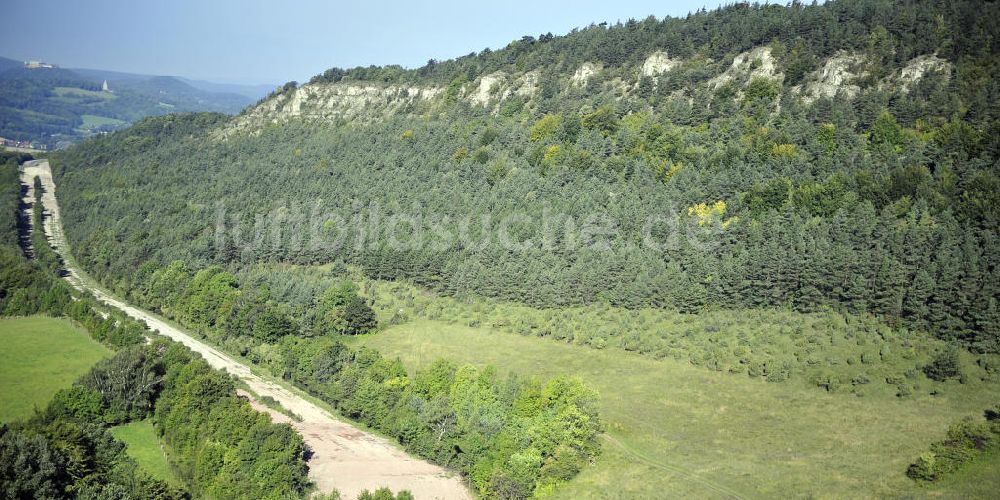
<point x="827" y="349"/>
<point x="94" y="121"/>
<point x="74" y="92"/>
<point x="144" y="447"/>
<point x="674" y="429"/>
<point x="40" y="355"/>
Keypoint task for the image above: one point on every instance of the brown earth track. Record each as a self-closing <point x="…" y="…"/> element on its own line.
<point x="344" y="457"/>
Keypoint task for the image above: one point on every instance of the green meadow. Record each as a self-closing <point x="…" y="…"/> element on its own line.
<point x="38" y="356"/>
<point x="144" y="446"/>
<point x="82" y="94"/>
<point x="674" y="429"/>
<point x="94" y="121"/>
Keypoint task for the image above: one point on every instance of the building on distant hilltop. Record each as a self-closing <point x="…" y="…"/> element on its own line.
<point x="104" y="86"/>
<point x="38" y="64"/>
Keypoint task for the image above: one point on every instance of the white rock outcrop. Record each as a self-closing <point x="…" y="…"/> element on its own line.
<point x="527" y="84"/>
<point x="919" y="67"/>
<point x="490" y="87"/>
<point x="328" y="101"/>
<point x="757" y="62"/>
<point x="584" y="73"/>
<point x="838" y="74"/>
<point x="657" y="64"/>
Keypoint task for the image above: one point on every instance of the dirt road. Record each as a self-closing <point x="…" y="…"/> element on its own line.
<point x="344" y="457"/>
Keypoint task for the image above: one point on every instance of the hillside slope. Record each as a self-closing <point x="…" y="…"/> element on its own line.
<point x="785" y="210"/>
<point x="838" y="155"/>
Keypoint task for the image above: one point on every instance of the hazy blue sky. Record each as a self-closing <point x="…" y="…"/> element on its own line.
<point x="256" y="41"/>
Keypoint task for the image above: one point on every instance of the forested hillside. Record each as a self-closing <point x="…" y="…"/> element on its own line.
<point x="54" y="105"/>
<point x="66" y="449"/>
<point x="839" y="155"/>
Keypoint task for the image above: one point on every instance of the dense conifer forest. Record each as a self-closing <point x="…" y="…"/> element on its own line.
<point x="878" y="195"/>
<point x="799" y="192"/>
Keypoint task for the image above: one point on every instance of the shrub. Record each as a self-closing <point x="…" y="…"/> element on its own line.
<point x="967" y="439"/>
<point x="384" y="494"/>
<point x="993" y="415"/>
<point x="967" y="433"/>
<point x="925" y="468"/>
<point x="828" y="382"/>
<point x="398" y="318"/>
<point x="945" y="365"/>
<point x="904" y="390"/>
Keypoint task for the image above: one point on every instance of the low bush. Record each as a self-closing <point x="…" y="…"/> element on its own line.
<point x="967" y="439"/>
<point x="511" y="437"/>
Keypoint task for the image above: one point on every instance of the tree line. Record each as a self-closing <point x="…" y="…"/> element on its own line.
<point x="511" y="437"/>
<point x="967" y="440"/>
<point x="808" y="33"/>
<point x="214" y="303"/>
<point x="67" y="451"/>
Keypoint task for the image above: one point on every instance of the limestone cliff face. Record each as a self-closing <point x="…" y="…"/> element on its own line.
<point x="757" y="62"/>
<point x="489" y="86"/>
<point x="584" y="73"/>
<point x="657" y="64"/>
<point x="840" y="75"/>
<point x="328" y="102"/>
<point x="493" y="89"/>
<point x="921" y="66"/>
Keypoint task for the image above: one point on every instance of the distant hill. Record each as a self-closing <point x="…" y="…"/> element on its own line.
<point x="254" y="92"/>
<point x="6" y="64"/>
<point x="55" y="106"/>
<point x="115" y="77"/>
<point x="175" y="89"/>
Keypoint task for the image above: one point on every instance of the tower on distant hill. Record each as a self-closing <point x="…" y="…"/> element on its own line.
<point x="104" y="86"/>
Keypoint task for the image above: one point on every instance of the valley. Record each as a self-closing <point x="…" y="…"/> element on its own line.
<point x="748" y="252"/>
<point x="48" y="107"/>
<point x="343" y="457"/>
